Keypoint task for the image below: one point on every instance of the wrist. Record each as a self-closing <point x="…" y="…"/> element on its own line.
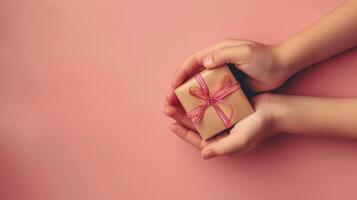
<point x="280" y="112"/>
<point x="285" y="58"/>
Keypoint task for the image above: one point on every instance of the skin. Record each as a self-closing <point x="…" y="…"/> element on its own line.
<point x="268" y="67"/>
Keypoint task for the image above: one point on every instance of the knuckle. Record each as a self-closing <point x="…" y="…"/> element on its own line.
<point x="248" y="145"/>
<point x="251" y="145"/>
<point x="223" y="43"/>
<point x="220" y="51"/>
<point x="192" y="58"/>
<point x="217" y="54"/>
<point x="187" y="61"/>
<point x="203" y="144"/>
<point x="247" y="49"/>
<point x="228" y="40"/>
<point x="243" y="143"/>
<point x="222" y="151"/>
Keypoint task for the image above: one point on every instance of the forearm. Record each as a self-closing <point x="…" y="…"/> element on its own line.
<point x="332" y="34"/>
<point x="316" y="116"/>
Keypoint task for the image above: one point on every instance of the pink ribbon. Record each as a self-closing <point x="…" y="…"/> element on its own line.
<point x="227" y="87"/>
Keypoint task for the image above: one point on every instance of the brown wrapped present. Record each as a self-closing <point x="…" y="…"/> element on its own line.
<point x="214" y="101"/>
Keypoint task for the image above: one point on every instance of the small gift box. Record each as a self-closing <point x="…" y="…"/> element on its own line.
<point x="214" y="101"/>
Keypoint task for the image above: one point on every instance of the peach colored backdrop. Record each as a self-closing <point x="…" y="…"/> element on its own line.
<point x="81" y="91"/>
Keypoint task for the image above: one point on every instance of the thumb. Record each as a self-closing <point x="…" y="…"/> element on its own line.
<point x="225" y="55"/>
<point x="239" y="141"/>
<point x="223" y="147"/>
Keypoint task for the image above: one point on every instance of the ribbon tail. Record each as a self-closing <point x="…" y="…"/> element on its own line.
<point x="223" y="92"/>
<point x="197" y="114"/>
<point x="226" y="121"/>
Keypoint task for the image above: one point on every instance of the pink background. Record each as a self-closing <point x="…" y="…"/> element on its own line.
<point x="81" y="92"/>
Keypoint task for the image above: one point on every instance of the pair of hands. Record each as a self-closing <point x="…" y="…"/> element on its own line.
<point x="265" y="71"/>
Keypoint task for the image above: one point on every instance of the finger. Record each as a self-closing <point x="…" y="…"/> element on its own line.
<point x="187" y="135"/>
<point x="236" y="141"/>
<point x="194" y="63"/>
<point x="166" y="103"/>
<point x="215" y="138"/>
<point x="190" y="66"/>
<point x="178" y="115"/>
<point x="230" y="54"/>
<point x="171" y="98"/>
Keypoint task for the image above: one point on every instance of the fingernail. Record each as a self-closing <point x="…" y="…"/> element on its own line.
<point x="208" y="154"/>
<point x="207" y="61"/>
<point x="173" y="127"/>
<point x="167" y="111"/>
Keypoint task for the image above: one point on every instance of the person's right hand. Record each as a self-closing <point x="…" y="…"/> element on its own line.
<point x="242" y="138"/>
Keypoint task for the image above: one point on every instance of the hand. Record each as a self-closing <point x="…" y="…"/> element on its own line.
<point x="242" y="138"/>
<point x="261" y="63"/>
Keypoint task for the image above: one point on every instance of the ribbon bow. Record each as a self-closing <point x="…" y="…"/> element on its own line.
<point x="227" y="87"/>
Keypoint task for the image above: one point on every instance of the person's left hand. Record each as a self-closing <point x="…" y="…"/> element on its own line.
<point x="243" y="137"/>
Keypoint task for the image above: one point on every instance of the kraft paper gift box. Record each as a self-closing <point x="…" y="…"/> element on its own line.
<point x="214" y="101"/>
